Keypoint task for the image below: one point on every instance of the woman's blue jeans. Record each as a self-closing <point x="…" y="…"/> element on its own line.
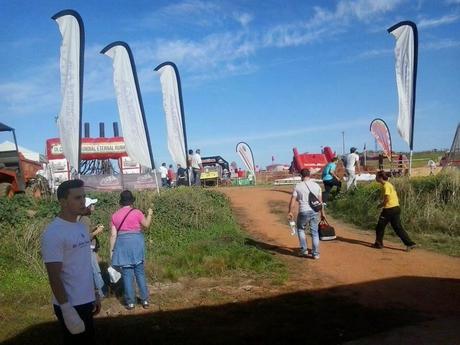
<point x="308" y="219"/>
<point x="128" y="273"/>
<point x="97" y="276"/>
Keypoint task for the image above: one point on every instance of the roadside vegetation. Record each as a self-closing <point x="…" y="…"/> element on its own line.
<point x="430" y="209"/>
<point x="193" y="234"/>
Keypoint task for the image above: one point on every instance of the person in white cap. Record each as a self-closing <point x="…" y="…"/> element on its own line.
<point x="93" y="232"/>
<point x="66" y="252"/>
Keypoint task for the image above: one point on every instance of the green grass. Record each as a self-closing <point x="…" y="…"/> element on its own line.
<point x="430" y="209"/>
<point x="193" y="234"/>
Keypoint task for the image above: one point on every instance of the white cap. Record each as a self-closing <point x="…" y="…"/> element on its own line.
<point x="89" y="202"/>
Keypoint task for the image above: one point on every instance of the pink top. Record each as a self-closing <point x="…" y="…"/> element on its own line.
<point x="132" y="223"/>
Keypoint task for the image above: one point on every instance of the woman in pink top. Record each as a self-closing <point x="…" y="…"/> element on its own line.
<point x="127" y="248"/>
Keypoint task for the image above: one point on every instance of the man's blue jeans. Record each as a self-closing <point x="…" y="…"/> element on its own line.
<point x="308" y="220"/>
<point x="128" y="273"/>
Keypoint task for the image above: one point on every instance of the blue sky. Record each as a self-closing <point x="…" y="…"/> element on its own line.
<point x="273" y="73"/>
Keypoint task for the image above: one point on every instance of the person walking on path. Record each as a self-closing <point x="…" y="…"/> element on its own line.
<point x="66" y="252"/>
<point x="93" y="233"/>
<point x="127" y="248"/>
<point x="197" y="167"/>
<point x="351" y="168"/>
<point x="330" y="179"/>
<point x="391" y="213"/>
<point x="306" y="216"/>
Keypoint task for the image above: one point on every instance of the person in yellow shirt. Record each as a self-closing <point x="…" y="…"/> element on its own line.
<point x="391" y="213"/>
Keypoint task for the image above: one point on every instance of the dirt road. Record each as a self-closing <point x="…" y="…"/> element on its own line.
<point x="419" y="280"/>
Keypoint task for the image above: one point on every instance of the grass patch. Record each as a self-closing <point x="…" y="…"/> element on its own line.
<point x="430" y="209"/>
<point x="193" y="234"/>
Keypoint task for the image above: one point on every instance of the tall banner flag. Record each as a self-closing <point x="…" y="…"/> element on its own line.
<point x="130" y="106"/>
<point x="174" y="112"/>
<point x="381" y="133"/>
<point x="71" y="67"/>
<point x="406" y="54"/>
<point x="245" y="152"/>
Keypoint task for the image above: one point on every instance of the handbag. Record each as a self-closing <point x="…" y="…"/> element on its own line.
<point x="326" y="231"/>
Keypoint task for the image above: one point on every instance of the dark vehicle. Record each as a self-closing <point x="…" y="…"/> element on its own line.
<point x="216" y="171"/>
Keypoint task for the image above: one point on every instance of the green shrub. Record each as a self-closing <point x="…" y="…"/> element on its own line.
<point x="193" y="233"/>
<point x="430" y="208"/>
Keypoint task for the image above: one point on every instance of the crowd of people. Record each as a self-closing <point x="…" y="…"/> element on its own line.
<point x="309" y="216"/>
<point x="69" y="249"/>
<point x="183" y="176"/>
<point x="69" y="244"/>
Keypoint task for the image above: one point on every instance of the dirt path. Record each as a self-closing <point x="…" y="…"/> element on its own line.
<point x="420" y="280"/>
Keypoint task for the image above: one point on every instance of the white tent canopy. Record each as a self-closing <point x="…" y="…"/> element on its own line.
<point x="28" y="154"/>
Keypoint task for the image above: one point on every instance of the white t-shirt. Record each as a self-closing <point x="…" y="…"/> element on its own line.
<point x="163" y="171"/>
<point x="352" y="159"/>
<point x="301" y="193"/>
<point x="196" y="161"/>
<point x="69" y="243"/>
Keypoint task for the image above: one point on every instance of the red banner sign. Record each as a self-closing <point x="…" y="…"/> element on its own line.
<point x="91" y="148"/>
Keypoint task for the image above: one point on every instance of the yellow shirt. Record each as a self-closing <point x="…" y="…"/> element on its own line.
<point x="392" y="199"/>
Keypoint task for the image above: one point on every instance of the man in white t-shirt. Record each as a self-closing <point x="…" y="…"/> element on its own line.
<point x="197" y="167"/>
<point x="164" y="175"/>
<point x="352" y="167"/>
<point x="306" y="215"/>
<point x="66" y="251"/>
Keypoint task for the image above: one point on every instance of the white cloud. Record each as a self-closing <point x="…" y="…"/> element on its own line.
<point x="190" y="12"/>
<point x="434" y="22"/>
<point x="207" y="54"/>
<point x="441" y="44"/>
<point x="369" y="54"/>
<point x="325" y="23"/>
<point x="243" y="18"/>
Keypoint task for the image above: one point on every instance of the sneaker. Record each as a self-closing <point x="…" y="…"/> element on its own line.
<point x="129" y="306"/>
<point x="303" y="252"/>
<point x="145" y="304"/>
<point x="412" y="246"/>
<point x="316" y="257"/>
<point x="377" y="246"/>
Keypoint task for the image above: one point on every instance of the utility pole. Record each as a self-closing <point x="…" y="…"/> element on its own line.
<point x="343" y="142"/>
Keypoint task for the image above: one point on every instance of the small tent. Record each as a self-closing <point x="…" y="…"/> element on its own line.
<point x="28" y="154"/>
<point x="453" y="157"/>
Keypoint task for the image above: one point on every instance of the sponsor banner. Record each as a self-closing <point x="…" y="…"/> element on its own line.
<point x="129" y="101"/>
<point x="119" y="182"/>
<point x="71" y="67"/>
<point x="91" y="148"/>
<point x="406" y="51"/>
<point x="173" y="108"/>
<point x="381" y="133"/>
<point x="245" y="153"/>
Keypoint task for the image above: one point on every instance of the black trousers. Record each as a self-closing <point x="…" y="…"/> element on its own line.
<point x="393" y="216"/>
<point x="328" y="185"/>
<point x="86" y="313"/>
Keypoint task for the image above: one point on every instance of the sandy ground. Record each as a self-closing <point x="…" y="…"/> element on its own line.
<point x="419" y="280"/>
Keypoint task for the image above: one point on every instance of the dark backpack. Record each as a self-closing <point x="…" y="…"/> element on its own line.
<point x="313" y="201"/>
